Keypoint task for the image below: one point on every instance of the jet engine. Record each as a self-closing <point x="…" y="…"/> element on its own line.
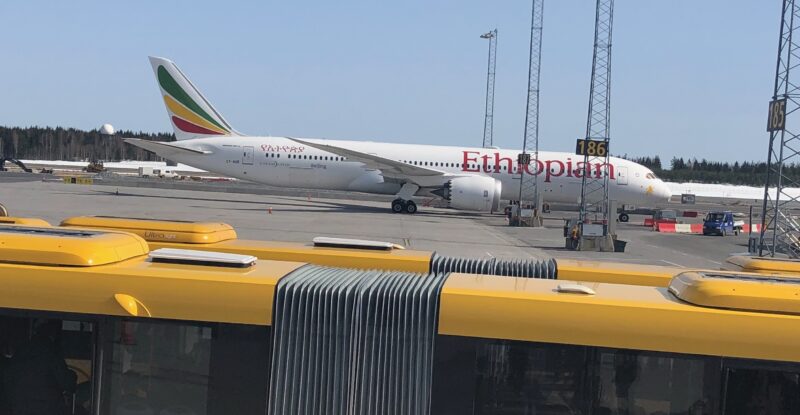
<point x="477" y="193"/>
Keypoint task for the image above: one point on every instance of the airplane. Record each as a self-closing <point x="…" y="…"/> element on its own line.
<point x="467" y="178"/>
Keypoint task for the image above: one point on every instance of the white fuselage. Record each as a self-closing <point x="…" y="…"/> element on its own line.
<point x="280" y="161"/>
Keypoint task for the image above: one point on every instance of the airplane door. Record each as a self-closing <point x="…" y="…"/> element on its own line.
<point x="622" y="175"/>
<point x="247" y="155"/>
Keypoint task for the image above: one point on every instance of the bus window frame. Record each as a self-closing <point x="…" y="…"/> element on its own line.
<point x="472" y="346"/>
<point x="96" y="353"/>
<point x="107" y="350"/>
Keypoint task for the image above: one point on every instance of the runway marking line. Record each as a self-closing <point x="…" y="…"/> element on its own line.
<point x="672" y="263"/>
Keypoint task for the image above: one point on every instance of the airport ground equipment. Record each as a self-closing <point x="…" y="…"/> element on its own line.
<point x="488" y="120"/>
<point x="780" y="230"/>
<point x="721" y="223"/>
<point x="529" y="183"/>
<point x="212" y="333"/>
<point x="594" y="147"/>
<point x="95" y="166"/>
<point x="19" y="164"/>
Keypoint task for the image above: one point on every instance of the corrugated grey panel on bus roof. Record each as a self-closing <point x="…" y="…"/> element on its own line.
<point x="546" y="269"/>
<point x="353" y="342"/>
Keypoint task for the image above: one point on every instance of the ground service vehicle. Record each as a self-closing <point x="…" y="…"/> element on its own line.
<point x="721" y="223"/>
<point x="198" y="332"/>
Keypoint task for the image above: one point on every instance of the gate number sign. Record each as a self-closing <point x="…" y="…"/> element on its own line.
<point x="591" y="148"/>
<point x="777" y="115"/>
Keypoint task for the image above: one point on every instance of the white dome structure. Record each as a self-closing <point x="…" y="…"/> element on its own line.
<point x="107" y="129"/>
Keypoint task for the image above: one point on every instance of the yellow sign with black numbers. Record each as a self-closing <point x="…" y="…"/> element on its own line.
<point x="591" y="148"/>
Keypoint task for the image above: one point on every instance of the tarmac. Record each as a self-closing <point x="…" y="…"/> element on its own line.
<point x="297" y="215"/>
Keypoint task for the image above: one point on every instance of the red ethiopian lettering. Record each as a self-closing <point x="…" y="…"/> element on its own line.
<point x="498" y="160"/>
<point x="598" y="170"/>
<point x="551" y="172"/>
<point x="485" y="159"/>
<point x="467" y="160"/>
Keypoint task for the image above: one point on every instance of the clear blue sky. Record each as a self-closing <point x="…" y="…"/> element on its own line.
<point x="690" y="78"/>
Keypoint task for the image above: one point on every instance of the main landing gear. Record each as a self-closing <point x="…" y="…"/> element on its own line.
<point x="404" y="206"/>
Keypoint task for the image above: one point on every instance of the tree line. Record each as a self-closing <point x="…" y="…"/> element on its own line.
<point x="747" y="173"/>
<point x="70" y="144"/>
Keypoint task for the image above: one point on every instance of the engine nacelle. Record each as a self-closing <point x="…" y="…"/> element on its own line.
<point x="478" y="193"/>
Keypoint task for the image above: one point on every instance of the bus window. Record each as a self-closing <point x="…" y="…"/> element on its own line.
<point x="515" y="377"/>
<point x="655" y="383"/>
<point x="480" y="376"/>
<point x="46" y="366"/>
<point x="760" y="391"/>
<point x="183" y="368"/>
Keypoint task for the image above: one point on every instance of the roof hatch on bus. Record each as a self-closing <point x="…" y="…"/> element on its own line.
<point x="154" y="230"/>
<point x="324" y="241"/>
<point x="194" y="257"/>
<point x="67" y="247"/>
<point x="738" y="291"/>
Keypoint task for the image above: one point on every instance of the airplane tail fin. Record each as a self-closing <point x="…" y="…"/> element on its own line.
<point x="192" y="116"/>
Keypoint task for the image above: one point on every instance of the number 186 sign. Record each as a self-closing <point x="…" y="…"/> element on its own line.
<point x="591" y="148"/>
<point x="777" y="115"/>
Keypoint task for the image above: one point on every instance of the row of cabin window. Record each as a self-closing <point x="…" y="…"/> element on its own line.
<point x="415" y="163"/>
<point x="307" y="157"/>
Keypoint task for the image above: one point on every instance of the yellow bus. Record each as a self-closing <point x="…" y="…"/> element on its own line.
<point x="175" y="331"/>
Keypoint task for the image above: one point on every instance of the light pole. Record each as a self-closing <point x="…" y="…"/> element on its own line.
<point x="488" y="119"/>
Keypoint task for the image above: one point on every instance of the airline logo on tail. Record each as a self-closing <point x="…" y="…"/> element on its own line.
<point x="191" y="114"/>
<point x="185" y="113"/>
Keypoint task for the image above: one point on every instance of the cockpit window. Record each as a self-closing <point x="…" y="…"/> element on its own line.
<point x="650" y="176"/>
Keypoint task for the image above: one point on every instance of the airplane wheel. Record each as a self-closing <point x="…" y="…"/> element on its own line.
<point x="411" y="207"/>
<point x="623" y="217"/>
<point x="397" y="206"/>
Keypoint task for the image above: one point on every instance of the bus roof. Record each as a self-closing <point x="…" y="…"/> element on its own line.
<point x="109" y="273"/>
<point x="623" y="316"/>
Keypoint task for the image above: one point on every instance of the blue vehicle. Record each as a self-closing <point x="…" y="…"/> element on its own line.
<point x="721" y="223"/>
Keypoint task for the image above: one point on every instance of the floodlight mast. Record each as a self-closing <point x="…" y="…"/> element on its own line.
<point x="488" y="121"/>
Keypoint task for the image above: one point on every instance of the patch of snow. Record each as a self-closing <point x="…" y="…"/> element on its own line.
<point x="122" y="165"/>
<point x="728" y="191"/>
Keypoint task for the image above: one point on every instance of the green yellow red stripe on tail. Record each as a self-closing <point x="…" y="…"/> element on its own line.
<point x="191" y="114"/>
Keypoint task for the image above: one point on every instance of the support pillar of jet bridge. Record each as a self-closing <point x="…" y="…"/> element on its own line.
<point x="523" y="214"/>
<point x="601" y="237"/>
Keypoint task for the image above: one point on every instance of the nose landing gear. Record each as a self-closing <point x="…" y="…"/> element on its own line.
<point x="404" y="206"/>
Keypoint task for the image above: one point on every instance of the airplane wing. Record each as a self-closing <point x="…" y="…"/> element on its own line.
<point x="388" y="167"/>
<point x="162" y="148"/>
